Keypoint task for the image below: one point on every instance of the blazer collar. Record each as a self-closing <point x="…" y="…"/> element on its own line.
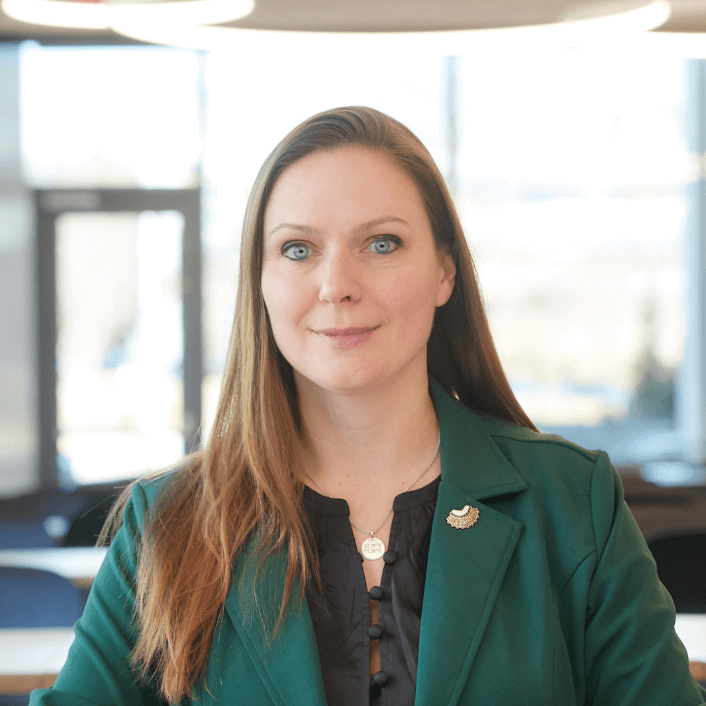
<point x="470" y="460"/>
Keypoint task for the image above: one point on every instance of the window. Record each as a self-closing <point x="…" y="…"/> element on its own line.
<point x="571" y="170"/>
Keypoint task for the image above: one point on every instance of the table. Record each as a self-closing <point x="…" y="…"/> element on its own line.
<point x="78" y="564"/>
<point x="31" y="658"/>
<point x="691" y="630"/>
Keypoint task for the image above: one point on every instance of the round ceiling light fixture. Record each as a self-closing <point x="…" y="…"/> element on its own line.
<point x="628" y="17"/>
<point x="108" y="14"/>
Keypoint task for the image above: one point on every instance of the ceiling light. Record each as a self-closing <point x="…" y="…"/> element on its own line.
<point x="105" y="15"/>
<point x="644" y="17"/>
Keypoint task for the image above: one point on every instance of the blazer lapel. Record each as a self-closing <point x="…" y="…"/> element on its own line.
<point x="466" y="567"/>
<point x="288" y="664"/>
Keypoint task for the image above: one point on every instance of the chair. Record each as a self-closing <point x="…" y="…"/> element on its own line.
<point x="681" y="566"/>
<point x="32" y="598"/>
<point x="37" y="520"/>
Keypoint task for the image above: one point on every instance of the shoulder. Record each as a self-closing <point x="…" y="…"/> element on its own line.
<point x="574" y="496"/>
<point x="490" y="457"/>
<point x="536" y="454"/>
<point x="149" y="492"/>
<point x="564" y="477"/>
<point x="156" y="486"/>
<point x="577" y="486"/>
<point x="509" y="434"/>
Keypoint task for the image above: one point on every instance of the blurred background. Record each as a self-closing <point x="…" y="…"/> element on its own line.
<point x="571" y="133"/>
<point x="577" y="164"/>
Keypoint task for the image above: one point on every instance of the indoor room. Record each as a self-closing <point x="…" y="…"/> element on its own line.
<point x="156" y="333"/>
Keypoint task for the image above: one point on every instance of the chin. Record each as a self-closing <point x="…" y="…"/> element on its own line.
<point x="350" y="380"/>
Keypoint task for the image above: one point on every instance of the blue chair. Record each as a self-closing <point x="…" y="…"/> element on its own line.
<point x="32" y="598"/>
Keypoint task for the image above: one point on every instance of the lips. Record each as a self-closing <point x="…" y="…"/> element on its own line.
<point x="349" y="337"/>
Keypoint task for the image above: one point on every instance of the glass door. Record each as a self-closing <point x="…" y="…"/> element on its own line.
<point x="120" y="395"/>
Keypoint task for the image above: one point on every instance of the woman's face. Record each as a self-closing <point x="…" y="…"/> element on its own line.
<point x="350" y="275"/>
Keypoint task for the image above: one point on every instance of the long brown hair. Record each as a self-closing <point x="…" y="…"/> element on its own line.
<point x="245" y="480"/>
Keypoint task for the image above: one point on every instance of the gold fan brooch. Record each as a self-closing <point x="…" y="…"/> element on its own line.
<point x="463" y="519"/>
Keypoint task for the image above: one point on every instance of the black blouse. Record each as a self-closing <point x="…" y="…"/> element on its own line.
<point x="341" y="617"/>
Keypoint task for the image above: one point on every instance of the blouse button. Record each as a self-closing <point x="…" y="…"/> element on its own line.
<point x="380" y="678"/>
<point x="375" y="593"/>
<point x="375" y="632"/>
<point x="390" y="556"/>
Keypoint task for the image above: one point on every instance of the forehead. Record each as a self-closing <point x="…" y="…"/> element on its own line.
<point x="346" y="183"/>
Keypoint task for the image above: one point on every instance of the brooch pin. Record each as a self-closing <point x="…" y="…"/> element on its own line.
<point x="463" y="519"/>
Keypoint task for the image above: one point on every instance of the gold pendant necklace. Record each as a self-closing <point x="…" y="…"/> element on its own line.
<point x="373" y="548"/>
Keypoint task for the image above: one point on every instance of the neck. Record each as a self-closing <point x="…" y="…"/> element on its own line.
<point x="384" y="437"/>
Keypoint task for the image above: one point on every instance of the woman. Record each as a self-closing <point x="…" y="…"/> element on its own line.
<point x="375" y="519"/>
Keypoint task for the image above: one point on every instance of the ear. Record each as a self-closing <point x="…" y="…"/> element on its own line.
<point x="447" y="278"/>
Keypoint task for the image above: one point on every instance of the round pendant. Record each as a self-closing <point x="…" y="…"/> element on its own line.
<point x="372" y="548"/>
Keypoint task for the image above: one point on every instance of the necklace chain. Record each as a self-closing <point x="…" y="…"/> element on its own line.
<point x="372" y="532"/>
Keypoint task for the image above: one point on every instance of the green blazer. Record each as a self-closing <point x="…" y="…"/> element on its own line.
<point x="551" y="598"/>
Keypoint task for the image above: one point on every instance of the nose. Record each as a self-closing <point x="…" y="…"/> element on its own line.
<point x="339" y="281"/>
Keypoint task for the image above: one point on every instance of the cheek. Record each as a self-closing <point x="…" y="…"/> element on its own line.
<point x="275" y="295"/>
<point x="413" y="299"/>
<point x="286" y="305"/>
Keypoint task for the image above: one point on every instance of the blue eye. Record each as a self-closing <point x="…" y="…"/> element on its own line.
<point x="296" y="251"/>
<point x="382" y="246"/>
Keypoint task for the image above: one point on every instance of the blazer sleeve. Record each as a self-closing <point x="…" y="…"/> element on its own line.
<point x="98" y="671"/>
<point x="632" y="653"/>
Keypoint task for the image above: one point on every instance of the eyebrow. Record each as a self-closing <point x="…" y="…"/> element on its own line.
<point x="309" y="230"/>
